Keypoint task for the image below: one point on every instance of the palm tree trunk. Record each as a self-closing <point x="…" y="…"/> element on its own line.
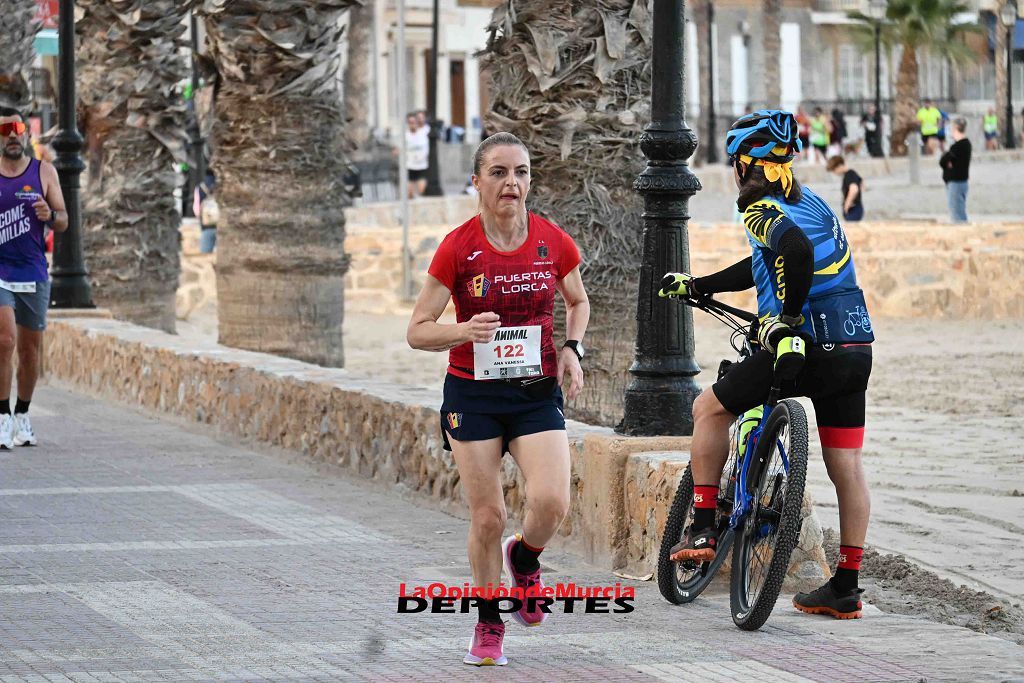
<point x="358" y="90"/>
<point x="19" y="31"/>
<point x="279" y="160"/>
<point x="133" y="121"/>
<point x="572" y="81"/>
<point x="999" y="56"/>
<point x="772" y="45"/>
<point x="905" y="107"/>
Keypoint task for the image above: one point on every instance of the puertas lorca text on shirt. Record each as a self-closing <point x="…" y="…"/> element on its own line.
<point x="14" y="223"/>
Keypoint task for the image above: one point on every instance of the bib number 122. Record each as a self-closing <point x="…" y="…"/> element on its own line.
<point x="510" y="351"/>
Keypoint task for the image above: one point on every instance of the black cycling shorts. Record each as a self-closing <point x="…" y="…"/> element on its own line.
<point x="835" y="378"/>
<point x="477" y="410"/>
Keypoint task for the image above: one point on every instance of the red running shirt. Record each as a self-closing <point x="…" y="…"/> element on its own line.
<point x="517" y="285"/>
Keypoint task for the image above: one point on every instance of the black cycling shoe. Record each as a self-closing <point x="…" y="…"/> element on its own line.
<point x="695" y="547"/>
<point x="826" y="600"/>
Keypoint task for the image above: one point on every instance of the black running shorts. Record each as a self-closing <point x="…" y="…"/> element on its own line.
<point x="835" y="378"/>
<point x="476" y="410"/>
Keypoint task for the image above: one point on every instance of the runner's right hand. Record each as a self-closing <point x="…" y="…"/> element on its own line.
<point x="676" y="284"/>
<point x="480" y="328"/>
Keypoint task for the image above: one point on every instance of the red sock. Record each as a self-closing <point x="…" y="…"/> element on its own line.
<point x="850" y="557"/>
<point x="705" y="502"/>
<point x="847" y="573"/>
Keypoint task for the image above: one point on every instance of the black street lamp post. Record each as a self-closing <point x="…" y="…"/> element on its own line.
<point x="1008" y="15"/>
<point x="876" y="11"/>
<point x="712" y="150"/>
<point x="433" y="188"/>
<point x="659" y="399"/>
<point x="70" y="287"/>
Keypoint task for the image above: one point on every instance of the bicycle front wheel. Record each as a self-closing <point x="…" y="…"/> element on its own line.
<point x="768" y="535"/>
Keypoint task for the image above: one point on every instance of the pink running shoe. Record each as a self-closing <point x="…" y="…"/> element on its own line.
<point x="524" y="616"/>
<point x="485" y="648"/>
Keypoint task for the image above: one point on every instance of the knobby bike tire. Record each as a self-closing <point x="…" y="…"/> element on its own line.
<point x="671" y="588"/>
<point x="751" y="617"/>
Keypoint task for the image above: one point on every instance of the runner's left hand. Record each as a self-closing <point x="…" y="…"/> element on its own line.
<point x="43" y="210"/>
<point x="568" y="361"/>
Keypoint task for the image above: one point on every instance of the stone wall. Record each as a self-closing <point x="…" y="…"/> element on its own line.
<point x="907" y="270"/>
<point x="389" y="434"/>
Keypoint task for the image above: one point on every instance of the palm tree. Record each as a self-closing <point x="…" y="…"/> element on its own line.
<point x="132" y="117"/>
<point x="358" y="90"/>
<point x="916" y="25"/>
<point x="278" y="143"/>
<point x="19" y="31"/>
<point x="999" y="57"/>
<point x="772" y="45"/>
<point x="572" y="81"/>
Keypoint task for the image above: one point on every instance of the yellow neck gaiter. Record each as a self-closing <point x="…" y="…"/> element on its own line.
<point x="774" y="171"/>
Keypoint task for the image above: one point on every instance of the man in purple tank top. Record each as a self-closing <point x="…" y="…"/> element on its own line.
<point x="30" y="202"/>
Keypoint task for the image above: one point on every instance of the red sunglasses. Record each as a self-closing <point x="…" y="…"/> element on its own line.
<point x="16" y="127"/>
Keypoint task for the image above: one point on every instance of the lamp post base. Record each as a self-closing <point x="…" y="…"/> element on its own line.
<point x="70" y="291"/>
<point x="659" y="406"/>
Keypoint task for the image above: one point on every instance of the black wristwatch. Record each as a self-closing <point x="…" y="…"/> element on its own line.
<point x="53" y="219"/>
<point x="576" y="346"/>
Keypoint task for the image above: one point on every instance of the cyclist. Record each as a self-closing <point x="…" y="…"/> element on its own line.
<point x="802" y="267"/>
<point x="502" y="391"/>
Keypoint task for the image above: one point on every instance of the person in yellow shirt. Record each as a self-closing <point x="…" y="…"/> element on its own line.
<point x="929" y="117"/>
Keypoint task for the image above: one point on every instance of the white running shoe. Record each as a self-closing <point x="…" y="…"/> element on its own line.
<point x="23" y="434"/>
<point x="7" y="431"/>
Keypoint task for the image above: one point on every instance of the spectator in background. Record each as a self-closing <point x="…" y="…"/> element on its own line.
<point x="207" y="211"/>
<point x="990" y="124"/>
<point x="955" y="165"/>
<point x="837" y="126"/>
<point x="941" y="135"/>
<point x="803" y="127"/>
<point x="871" y="122"/>
<point x="929" y="117"/>
<point x="819" y="134"/>
<point x="417" y="154"/>
<point x="852" y="187"/>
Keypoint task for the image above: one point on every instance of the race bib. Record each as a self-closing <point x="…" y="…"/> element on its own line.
<point x="20" y="287"/>
<point x="514" y="352"/>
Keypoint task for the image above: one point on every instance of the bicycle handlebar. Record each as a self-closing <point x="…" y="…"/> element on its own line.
<point x="709" y="303"/>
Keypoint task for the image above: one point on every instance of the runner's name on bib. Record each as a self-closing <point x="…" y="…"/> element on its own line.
<point x="18" y="286"/>
<point x="513" y="353"/>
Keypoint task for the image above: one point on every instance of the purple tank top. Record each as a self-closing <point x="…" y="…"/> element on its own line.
<point x="22" y="244"/>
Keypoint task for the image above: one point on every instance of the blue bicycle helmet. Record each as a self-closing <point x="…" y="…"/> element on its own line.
<point x="760" y="135"/>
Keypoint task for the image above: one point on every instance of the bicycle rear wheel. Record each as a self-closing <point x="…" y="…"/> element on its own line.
<point x="766" y="538"/>
<point x="682" y="582"/>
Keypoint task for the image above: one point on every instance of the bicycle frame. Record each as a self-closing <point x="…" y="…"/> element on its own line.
<point x="743" y="469"/>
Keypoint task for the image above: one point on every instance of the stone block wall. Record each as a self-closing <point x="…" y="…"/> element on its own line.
<point x="389" y="434"/>
<point x="907" y="270"/>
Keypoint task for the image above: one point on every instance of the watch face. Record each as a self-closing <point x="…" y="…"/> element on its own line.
<point x="579" y="350"/>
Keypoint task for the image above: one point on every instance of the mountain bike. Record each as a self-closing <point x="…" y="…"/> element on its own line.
<point x="761" y="492"/>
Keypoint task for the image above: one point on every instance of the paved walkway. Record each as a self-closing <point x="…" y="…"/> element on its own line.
<point x="135" y="549"/>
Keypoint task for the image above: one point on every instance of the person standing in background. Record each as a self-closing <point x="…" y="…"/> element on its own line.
<point x="852" y="188"/>
<point x="417" y="154"/>
<point x="803" y="127"/>
<point x="990" y="124"/>
<point x="871" y="122"/>
<point x="929" y="117"/>
<point x="955" y="166"/>
<point x="819" y="134"/>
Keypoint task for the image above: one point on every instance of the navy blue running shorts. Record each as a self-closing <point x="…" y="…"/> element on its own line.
<point x="475" y="410"/>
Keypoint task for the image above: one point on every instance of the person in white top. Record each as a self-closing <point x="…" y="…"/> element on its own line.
<point x="417" y="155"/>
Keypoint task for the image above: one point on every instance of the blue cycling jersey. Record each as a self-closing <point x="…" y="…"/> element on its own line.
<point x="834" y="310"/>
